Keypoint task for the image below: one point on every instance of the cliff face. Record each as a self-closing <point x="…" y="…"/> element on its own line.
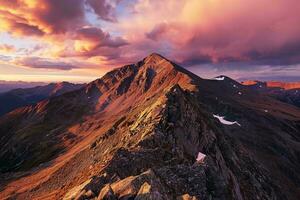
<point x="136" y="134"/>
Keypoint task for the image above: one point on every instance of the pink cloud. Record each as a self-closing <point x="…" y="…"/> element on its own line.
<point x="44" y="63"/>
<point x="224" y="31"/>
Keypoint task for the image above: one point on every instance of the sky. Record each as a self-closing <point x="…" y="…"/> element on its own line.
<point x="80" y="40"/>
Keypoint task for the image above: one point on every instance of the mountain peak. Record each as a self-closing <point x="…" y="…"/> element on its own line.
<point x="154" y="57"/>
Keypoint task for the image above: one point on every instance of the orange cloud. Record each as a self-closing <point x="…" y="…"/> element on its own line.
<point x="90" y="38"/>
<point x="5" y="48"/>
<point x="32" y="17"/>
<point x="62" y="29"/>
<point x="39" y="17"/>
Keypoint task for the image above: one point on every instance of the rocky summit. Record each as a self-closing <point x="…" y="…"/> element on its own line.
<point x="152" y="130"/>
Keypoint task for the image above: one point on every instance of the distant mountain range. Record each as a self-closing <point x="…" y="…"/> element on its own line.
<point x="285" y="92"/>
<point x="273" y="84"/>
<point x="10" y="85"/>
<point x="152" y="130"/>
<point x="26" y="96"/>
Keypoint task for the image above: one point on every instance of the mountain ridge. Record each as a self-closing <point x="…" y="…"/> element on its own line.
<point x="140" y="128"/>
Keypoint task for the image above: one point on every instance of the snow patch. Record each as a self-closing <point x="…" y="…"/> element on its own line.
<point x="200" y="157"/>
<point x="224" y="121"/>
<point x="221" y="78"/>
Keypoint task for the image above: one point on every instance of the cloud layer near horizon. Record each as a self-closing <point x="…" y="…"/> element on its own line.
<point x="191" y="32"/>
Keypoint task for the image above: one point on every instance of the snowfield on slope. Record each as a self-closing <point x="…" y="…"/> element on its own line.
<point x="219" y="78"/>
<point x="200" y="157"/>
<point x="224" y="121"/>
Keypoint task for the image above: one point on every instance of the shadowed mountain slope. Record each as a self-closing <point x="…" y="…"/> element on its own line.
<point x="136" y="132"/>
